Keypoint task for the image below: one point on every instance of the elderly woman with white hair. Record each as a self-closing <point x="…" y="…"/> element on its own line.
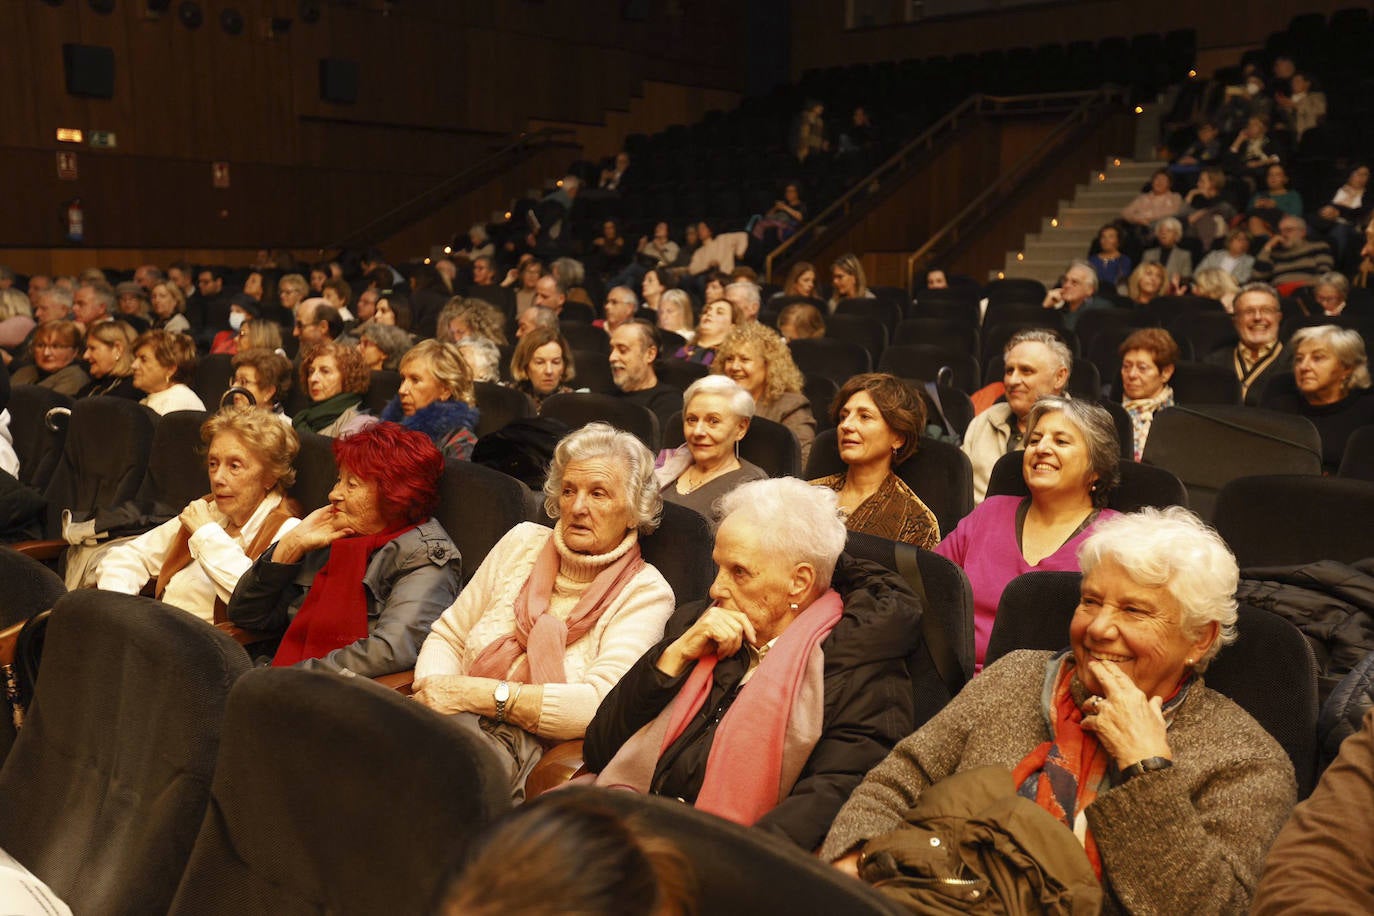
<point x="716" y="413"/>
<point x="1172" y="792"/>
<point x="768" y="702"/>
<point x="553" y="618"/>
<point x="483" y="358"/>
<point x="1177" y="261"/>
<point x="1331" y="376"/>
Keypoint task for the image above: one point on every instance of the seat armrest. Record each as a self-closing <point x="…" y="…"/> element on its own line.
<point x="403" y="682"/>
<point x="241" y="636"/>
<point x="559" y="764"/>
<point x="41" y="550"/>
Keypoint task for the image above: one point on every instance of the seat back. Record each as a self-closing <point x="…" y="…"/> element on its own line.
<point x="316" y="471"/>
<point x="741" y="871"/>
<point x="176" y="465"/>
<point x="948" y="597"/>
<point x="924" y="361"/>
<point x="39" y="448"/>
<point x="477" y="506"/>
<point x="768" y="444"/>
<point x="1357" y="463"/>
<point x="110" y="776"/>
<point x="1207" y="447"/>
<point x="577" y="409"/>
<point x="837" y="360"/>
<point x="585" y="337"/>
<point x="381" y="388"/>
<point x="866" y="331"/>
<point x="104" y="459"/>
<point x="211" y="377"/>
<point x="303" y="750"/>
<point x="1141" y="484"/>
<point x="939" y="473"/>
<point x="1204" y="383"/>
<point x="498" y="405"/>
<point x="593" y="370"/>
<point x="954" y="335"/>
<point x="680" y="373"/>
<point x="1287" y="520"/>
<point x="1269" y="671"/>
<point x="30" y="588"/>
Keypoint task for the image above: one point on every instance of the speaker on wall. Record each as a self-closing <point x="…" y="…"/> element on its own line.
<point x="89" y="70"/>
<point x="338" y="81"/>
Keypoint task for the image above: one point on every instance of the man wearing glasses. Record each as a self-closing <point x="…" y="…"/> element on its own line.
<point x="1260" y="355"/>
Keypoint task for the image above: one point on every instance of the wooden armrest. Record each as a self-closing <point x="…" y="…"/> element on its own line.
<point x="241" y="636"/>
<point x="9" y="638"/>
<point x="559" y="764"/>
<point x="403" y="682"/>
<point x="41" y="550"/>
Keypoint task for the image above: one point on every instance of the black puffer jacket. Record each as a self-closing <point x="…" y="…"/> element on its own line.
<point x="1331" y="603"/>
<point x="868" y="703"/>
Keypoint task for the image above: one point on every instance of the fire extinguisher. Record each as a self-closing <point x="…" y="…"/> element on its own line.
<point x="75" y="220"/>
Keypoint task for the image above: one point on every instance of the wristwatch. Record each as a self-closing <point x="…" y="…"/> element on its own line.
<point x="1148" y="765"/>
<point x="502" y="694"/>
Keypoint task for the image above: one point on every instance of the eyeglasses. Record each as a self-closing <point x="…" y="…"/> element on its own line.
<point x="53" y="346"/>
<point x="1257" y="313"/>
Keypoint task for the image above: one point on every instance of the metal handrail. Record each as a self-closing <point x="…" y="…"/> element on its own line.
<point x="976" y="104"/>
<point x="523" y="141"/>
<point x="1012" y="177"/>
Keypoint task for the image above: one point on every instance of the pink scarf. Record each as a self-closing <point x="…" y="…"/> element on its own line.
<point x="541" y="640"/>
<point x="764" y="739"/>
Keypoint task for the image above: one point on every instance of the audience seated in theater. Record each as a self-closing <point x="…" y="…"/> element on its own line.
<point x="1235" y="259"/>
<point x="92" y="302"/>
<point x="1076" y="293"/>
<point x="608" y="253"/>
<point x="1254" y="150"/>
<point x="801" y="280"/>
<point x="356" y="585"/>
<point x="1270" y="204"/>
<point x="1147" y="283"/>
<point x="783" y="218"/>
<point x="847" y="281"/>
<point x="572" y="277"/>
<point x="1111" y="266"/>
<point x="1208" y="213"/>
<point x="132" y="305"/>
<point x="822" y="642"/>
<point x="654" y="284"/>
<point x="1331" y="293"/>
<point x="382" y="346"/>
<point x="464" y="318"/>
<point x="482" y="357"/>
<point x="428" y="296"/>
<point x="1288" y="259"/>
<point x="1303" y="108"/>
<point x="1260" y="355"/>
<point x="878" y="420"/>
<point x="52" y="304"/>
<point x="1037" y="363"/>
<point x="553" y="618"/>
<point x="807" y="136"/>
<point x="479" y="245"/>
<point x="1216" y="283"/>
<point x="718" y="319"/>
<point x="716" y="414"/>
<point x="658" y="248"/>
<point x="436" y="398"/>
<point x="259" y="334"/>
<point x="317" y="322"/>
<point x="716" y="252"/>
<point x="1071" y="465"/>
<point x="1338" y="220"/>
<point x="292" y="290"/>
<point x="536" y="317"/>
<point x="1203" y="152"/>
<point x="339" y="294"/>
<point x="577" y="852"/>
<point x="242" y="309"/>
<point x="1159" y="201"/>
<point x="196" y="559"/>
<point x="53" y="353"/>
<point x="1148" y="357"/>
<point x="109" y="357"/>
<point x="266" y="375"/>
<point x="744" y="296"/>
<point x="1331" y="372"/>
<point x="620" y="306"/>
<point x="16" y="320"/>
<point x="169" y="308"/>
<point x="550" y="294"/>
<point x="394" y="308"/>
<point x="525" y="278"/>
<point x="1172" y="791"/>
<point x="634" y="348"/>
<point x="800" y="321"/>
<point x="758" y="360"/>
<point x="675" y="313"/>
<point x="334" y="377"/>
<point x="163" y="364"/>
<point x="1177" y="260"/>
<point x="542" y="365"/>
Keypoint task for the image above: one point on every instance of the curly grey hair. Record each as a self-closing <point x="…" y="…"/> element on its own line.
<point x="600" y="440"/>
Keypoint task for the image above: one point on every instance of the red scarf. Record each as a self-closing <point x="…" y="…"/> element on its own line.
<point x="540" y="641"/>
<point x="334" y="613"/>
<point x="765" y="738"/>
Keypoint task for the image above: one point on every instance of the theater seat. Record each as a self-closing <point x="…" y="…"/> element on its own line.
<point x="1269" y="670"/>
<point x="332" y="795"/>
<point x="109" y="778"/>
<point x="768" y="444"/>
<point x="1286" y="520"/>
<point x="30" y="588"/>
<point x="579" y="408"/>
<point x="1141" y="484"/>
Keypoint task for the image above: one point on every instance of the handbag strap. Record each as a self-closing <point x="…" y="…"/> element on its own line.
<point x="937" y="642"/>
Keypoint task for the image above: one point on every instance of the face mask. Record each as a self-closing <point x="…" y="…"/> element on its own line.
<point x="236" y="320"/>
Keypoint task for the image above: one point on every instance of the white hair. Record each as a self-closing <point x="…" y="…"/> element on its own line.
<point x="1345" y="344"/>
<point x="486" y="358"/>
<point x="1056" y="346"/>
<point x="1169" y="222"/>
<point x="1084" y="265"/>
<point x="601" y="440"/>
<point x="750" y="290"/>
<point x="1172" y="549"/>
<point x="802" y="522"/>
<point x="741" y="401"/>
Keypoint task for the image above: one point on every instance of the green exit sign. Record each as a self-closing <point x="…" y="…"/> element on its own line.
<point x="102" y="139"/>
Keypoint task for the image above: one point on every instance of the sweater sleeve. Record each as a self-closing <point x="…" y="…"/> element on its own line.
<point x="636" y="623"/>
<point x="128" y="567"/>
<point x="222" y="558"/>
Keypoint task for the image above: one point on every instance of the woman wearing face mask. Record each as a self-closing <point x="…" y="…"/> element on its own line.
<point x="242" y="309"/>
<point x="109" y="360"/>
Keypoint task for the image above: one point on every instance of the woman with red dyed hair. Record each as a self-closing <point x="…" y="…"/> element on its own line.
<point x="358" y="582"/>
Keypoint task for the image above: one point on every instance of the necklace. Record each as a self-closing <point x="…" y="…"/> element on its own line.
<point x="701" y="480"/>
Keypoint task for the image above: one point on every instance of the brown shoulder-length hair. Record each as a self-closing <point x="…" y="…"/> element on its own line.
<point x="171" y="351"/>
<point x="539" y="337"/>
<point x="901" y="407"/>
<point x="354" y="373"/>
<point x="1157" y="342"/>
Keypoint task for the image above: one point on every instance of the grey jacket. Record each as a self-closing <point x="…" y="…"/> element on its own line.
<point x="409" y="582"/>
